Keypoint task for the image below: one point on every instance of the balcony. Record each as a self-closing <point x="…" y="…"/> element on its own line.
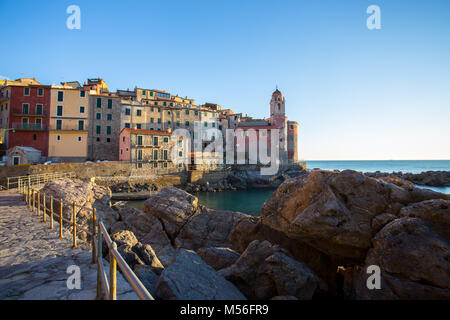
<point x="28" y="126"/>
<point x="29" y="115"/>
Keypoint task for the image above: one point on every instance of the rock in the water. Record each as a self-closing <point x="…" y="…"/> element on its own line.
<point x="218" y="258"/>
<point x="189" y="278"/>
<point x="265" y="270"/>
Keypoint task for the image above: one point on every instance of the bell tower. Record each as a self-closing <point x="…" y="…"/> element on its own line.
<point x="277" y="103"/>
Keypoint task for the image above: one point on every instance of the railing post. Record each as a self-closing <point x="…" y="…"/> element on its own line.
<point x="99" y="257"/>
<point x="51" y="212"/>
<point x="61" y="218"/>
<point x="93" y="234"/>
<point x="112" y="273"/>
<point x="39" y="203"/>
<point x="74" y="225"/>
<point x="45" y="210"/>
<point x="7" y="183"/>
<point x="34" y="198"/>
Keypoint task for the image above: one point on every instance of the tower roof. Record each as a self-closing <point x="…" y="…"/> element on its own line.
<point x="277" y="93"/>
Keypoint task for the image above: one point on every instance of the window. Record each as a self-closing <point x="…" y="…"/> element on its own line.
<point x="25" y="108"/>
<point x="58" y="124"/>
<point x="156" y="103"/>
<point x="155" y="154"/>
<point x="127" y="111"/>
<point x="108" y="129"/>
<point x="152" y="109"/>
<point x="40" y="92"/>
<point x="82" y="95"/>
<point x="155" y="164"/>
<point x="98" y="129"/>
<point x="166" y="139"/>
<point x="38" y="122"/>
<point x="220" y="127"/>
<point x="196" y="112"/>
<point x="139" y="140"/>
<point x="98" y="139"/>
<point x="79" y="139"/>
<point x="140" y="165"/>
<point x="168" y="122"/>
<point x="99" y="102"/>
<point x="58" y="138"/>
<point x="123" y="139"/>
<point x="143" y="92"/>
<point x="109" y="103"/>
<point x="139" y="154"/>
<point x="171" y="104"/>
<point x="178" y="114"/>
<point x="151" y="93"/>
<point x="109" y="116"/>
<point x="159" y="109"/>
<point x="138" y="126"/>
<point x="34" y="137"/>
<point x="60" y="96"/>
<point x="82" y="108"/>
<point x="279" y="106"/>
<point x="213" y="124"/>
<point x="159" y="120"/>
<point x="59" y="111"/>
<point x="127" y="125"/>
<point x="121" y="151"/>
<point x="80" y="124"/>
<point x="26" y="91"/>
<point x="138" y="113"/>
<point x="165" y="164"/>
<point x="155" y="141"/>
<point x="292" y="127"/>
<point x="206" y="124"/>
<point x="168" y="113"/>
<point x="108" y="139"/>
<point x="187" y="111"/>
<point x="24" y="123"/>
<point x="98" y="116"/>
<point x="164" y="103"/>
<point x="178" y="123"/>
<point x="151" y="120"/>
<point x="187" y="123"/>
<point x="165" y="154"/>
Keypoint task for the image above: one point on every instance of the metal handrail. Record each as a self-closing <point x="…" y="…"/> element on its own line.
<point x="36" y="179"/>
<point x="33" y="199"/>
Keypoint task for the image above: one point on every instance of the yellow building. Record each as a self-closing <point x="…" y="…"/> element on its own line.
<point x="68" y="128"/>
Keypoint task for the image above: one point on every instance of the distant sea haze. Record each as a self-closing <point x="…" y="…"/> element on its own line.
<point x="412" y="166"/>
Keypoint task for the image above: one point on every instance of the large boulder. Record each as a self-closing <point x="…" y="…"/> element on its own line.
<point x="334" y="211"/>
<point x="86" y="195"/>
<point x="189" y="278"/>
<point x="264" y="271"/>
<point x="188" y="224"/>
<point x="218" y="258"/>
<point x="149" y="230"/>
<point x="413" y="253"/>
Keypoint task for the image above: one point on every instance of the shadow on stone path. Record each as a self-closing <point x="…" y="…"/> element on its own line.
<point x="34" y="260"/>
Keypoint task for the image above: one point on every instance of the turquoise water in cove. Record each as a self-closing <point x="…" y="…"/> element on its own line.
<point x="251" y="201"/>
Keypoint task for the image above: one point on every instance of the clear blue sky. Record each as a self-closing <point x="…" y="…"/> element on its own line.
<point x="356" y="93"/>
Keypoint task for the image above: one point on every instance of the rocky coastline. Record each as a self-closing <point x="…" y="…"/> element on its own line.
<point x="315" y="238"/>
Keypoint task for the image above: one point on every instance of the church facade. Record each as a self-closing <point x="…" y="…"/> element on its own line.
<point x="288" y="130"/>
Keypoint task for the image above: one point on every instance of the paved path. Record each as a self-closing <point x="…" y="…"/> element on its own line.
<point x="34" y="260"/>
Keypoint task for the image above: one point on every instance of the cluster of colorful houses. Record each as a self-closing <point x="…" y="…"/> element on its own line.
<point x="74" y="122"/>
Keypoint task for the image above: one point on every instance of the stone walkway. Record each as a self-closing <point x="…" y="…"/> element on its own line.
<point x="34" y="260"/>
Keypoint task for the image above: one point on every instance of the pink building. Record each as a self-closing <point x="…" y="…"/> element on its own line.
<point x="288" y="130"/>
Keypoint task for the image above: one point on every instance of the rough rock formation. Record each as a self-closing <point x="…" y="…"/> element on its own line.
<point x="188" y="224"/>
<point x="335" y="211"/>
<point x="189" y="278"/>
<point x="218" y="258"/>
<point x="84" y="193"/>
<point x="265" y="270"/>
<point x="427" y="178"/>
